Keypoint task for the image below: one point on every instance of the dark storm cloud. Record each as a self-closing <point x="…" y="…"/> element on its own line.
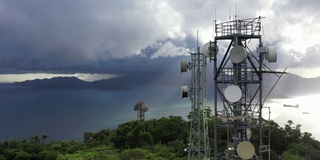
<point x="44" y="34"/>
<point x="81" y="36"/>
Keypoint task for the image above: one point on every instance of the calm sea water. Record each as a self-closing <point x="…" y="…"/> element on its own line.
<point x="66" y="114"/>
<point x="307" y="114"/>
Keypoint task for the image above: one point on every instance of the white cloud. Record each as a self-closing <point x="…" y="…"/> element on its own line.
<point x="293" y="27"/>
<point x="168" y="49"/>
<point x="9" y="78"/>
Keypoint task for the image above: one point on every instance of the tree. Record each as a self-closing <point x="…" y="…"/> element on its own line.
<point x="288" y="156"/>
<point x="165" y="130"/>
<point x="130" y="154"/>
<point x="102" y="136"/>
<point x="131" y="135"/>
<point x="293" y="134"/>
<point x="87" y="137"/>
<point x="278" y="138"/>
<point x="22" y="155"/>
<point x="44" y="137"/>
<point x="178" y="148"/>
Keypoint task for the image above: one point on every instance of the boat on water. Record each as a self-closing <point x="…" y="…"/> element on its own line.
<point x="294" y="106"/>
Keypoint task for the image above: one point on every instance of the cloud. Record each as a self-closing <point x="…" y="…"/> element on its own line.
<point x="73" y="36"/>
<point x="168" y="48"/>
<point x="312" y="57"/>
<point x="9" y="78"/>
<point x="294" y="23"/>
<point x="73" y="32"/>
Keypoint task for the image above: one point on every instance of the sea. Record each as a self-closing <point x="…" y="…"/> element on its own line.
<point x="66" y="114"/>
<point x="301" y="110"/>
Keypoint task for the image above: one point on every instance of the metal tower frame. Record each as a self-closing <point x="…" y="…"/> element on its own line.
<point x="199" y="138"/>
<point x="199" y="148"/>
<point x="239" y="117"/>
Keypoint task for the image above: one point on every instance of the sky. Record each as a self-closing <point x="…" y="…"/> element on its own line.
<point x="115" y="37"/>
<point x="102" y="39"/>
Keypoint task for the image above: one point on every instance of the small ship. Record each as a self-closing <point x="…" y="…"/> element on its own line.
<point x="294" y="106"/>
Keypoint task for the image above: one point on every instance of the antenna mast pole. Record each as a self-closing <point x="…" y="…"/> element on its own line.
<point x="199" y="140"/>
<point x="199" y="148"/>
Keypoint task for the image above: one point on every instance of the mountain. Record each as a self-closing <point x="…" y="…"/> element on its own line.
<point x="73" y="83"/>
<point x="291" y="84"/>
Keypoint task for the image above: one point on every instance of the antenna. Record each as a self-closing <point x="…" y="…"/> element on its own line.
<point x="259" y="11"/>
<point x="229" y="14"/>
<point x="237" y="74"/>
<point x="235" y="11"/>
<point x="141" y="107"/>
<point x="215" y="13"/>
<point x="197" y="41"/>
<point x="214" y="22"/>
<point x="199" y="147"/>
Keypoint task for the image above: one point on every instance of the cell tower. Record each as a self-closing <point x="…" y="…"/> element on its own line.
<point x="238" y="89"/>
<point x="199" y="141"/>
<point x="141" y="107"/>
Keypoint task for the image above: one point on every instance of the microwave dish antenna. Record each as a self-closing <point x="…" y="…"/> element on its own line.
<point x="236" y="76"/>
<point x="183" y="66"/>
<point x="184" y="91"/>
<point x="210" y="50"/>
<point x="141" y="107"/>
<point x="233" y="93"/>
<point x="271" y="54"/>
<point x="245" y="150"/>
<point x="238" y="54"/>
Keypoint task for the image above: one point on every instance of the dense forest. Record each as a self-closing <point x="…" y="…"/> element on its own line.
<point x="156" y="139"/>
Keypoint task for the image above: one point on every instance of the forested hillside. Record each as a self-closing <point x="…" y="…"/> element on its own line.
<point x="161" y="139"/>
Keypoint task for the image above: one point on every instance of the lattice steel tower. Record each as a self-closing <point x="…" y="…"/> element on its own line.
<point x="238" y="100"/>
<point x="199" y="148"/>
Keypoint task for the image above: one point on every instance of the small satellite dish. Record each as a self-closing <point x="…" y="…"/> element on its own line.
<point x="210" y="50"/>
<point x="232" y="93"/>
<point x="136" y="106"/>
<point x="245" y="150"/>
<point x="184" y="91"/>
<point x="144" y="107"/>
<point x="238" y="54"/>
<point x="183" y="66"/>
<point x="271" y="54"/>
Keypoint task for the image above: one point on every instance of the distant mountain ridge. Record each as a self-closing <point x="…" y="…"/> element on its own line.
<point x="291" y="84"/>
<point x="72" y="83"/>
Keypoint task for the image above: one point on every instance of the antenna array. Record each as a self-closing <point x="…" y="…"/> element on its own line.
<point x="238" y="86"/>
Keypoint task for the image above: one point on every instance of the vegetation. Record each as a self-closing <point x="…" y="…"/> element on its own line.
<point x="157" y="139"/>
